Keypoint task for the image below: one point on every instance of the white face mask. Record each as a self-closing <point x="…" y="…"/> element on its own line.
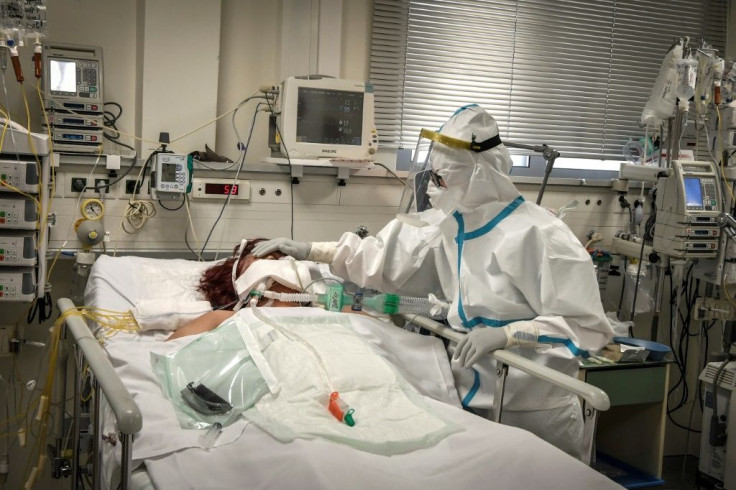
<point x="262" y="274"/>
<point x="440" y="198"/>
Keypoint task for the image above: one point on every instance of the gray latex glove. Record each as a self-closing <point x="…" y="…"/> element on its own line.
<point x="298" y="250"/>
<point x="479" y="342"/>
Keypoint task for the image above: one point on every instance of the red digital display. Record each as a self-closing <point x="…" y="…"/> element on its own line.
<point x="221" y="189"/>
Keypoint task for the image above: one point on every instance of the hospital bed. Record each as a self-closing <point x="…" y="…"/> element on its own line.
<point x="139" y="444"/>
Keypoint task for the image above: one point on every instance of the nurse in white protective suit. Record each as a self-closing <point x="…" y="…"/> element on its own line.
<point x="515" y="277"/>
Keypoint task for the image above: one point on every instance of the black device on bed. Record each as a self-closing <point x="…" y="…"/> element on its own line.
<point x="204" y="400"/>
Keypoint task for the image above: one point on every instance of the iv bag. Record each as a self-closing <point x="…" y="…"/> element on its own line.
<point x="661" y="102"/>
<point x="686" y="78"/>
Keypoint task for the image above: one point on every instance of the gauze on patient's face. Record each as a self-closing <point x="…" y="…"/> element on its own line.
<point x="287" y="272"/>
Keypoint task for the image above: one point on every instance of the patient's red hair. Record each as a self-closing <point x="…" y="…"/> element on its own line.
<point x="216" y="283"/>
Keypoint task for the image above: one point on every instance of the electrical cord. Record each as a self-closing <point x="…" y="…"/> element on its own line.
<point x="243" y="152"/>
<point x="288" y="159"/>
<point x="393" y="174"/>
<point x="229" y="165"/>
<point x="190" y="224"/>
<point x="171" y="209"/>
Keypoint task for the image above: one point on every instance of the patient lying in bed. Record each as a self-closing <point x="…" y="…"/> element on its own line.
<point x="217" y="287"/>
<point x="304" y="375"/>
<point x="244" y="455"/>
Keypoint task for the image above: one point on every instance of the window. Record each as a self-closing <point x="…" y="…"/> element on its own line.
<point x="569" y="73"/>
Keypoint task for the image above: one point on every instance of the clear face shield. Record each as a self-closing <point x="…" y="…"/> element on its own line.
<point x="415" y="198"/>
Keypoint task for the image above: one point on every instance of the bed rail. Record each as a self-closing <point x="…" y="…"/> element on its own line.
<point x="127" y="413"/>
<point x="594" y="399"/>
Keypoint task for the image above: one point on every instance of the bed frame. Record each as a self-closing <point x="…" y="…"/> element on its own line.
<point x="129" y="418"/>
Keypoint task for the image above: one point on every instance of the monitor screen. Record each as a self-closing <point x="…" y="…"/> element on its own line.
<point x="329" y="116"/>
<point x="693" y="192"/>
<point x="63" y="76"/>
<point x="168" y="172"/>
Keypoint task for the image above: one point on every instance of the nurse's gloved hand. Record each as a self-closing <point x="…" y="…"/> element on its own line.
<point x="298" y="250"/>
<point x="479" y="342"/>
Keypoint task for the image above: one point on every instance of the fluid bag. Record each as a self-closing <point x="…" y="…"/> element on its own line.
<point x="661" y="103"/>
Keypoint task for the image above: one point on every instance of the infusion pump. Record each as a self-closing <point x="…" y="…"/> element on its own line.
<point x="688" y="206"/>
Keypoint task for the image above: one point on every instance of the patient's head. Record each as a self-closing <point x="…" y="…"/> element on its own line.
<point x="216" y="283"/>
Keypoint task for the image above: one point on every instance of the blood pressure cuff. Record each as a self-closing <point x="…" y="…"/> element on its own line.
<point x="167" y="314"/>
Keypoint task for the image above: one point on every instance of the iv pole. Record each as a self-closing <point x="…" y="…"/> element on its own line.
<point x="548" y="153"/>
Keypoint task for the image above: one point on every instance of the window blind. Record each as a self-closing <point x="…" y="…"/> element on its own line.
<point x="569" y="73"/>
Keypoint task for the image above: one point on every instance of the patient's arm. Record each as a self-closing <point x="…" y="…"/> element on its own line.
<point x="205" y="323"/>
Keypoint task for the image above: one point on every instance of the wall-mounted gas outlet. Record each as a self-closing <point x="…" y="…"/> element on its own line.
<point x="270" y="192"/>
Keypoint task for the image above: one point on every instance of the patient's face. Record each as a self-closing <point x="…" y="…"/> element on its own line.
<point x="275" y="287"/>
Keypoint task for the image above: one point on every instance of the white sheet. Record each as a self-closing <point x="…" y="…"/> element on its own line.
<point x="483" y="455"/>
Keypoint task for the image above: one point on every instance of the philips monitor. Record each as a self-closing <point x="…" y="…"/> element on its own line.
<point x="327" y="118"/>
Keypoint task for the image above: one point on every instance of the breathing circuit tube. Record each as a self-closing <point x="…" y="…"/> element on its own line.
<point x="335" y="298"/>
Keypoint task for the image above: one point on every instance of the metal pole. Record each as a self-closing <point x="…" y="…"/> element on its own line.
<point x="502" y="370"/>
<point x="547" y="172"/>
<point x="590" y="420"/>
<point x="97" y="438"/>
<point x="658" y="288"/>
<point x="76" y="418"/>
<point x="127" y="454"/>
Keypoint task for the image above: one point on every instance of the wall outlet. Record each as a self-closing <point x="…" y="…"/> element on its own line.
<point x="130" y="186"/>
<point x="77" y="184"/>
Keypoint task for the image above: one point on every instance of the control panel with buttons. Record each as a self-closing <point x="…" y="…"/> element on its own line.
<point x="18" y="214"/>
<point x="18" y="249"/>
<point x="18" y="175"/>
<point x="17" y="284"/>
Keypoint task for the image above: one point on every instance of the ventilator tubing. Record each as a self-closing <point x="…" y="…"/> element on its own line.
<point x="289" y="297"/>
<point x="381" y="303"/>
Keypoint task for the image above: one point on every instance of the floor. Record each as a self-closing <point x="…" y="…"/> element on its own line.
<point x="677" y="478"/>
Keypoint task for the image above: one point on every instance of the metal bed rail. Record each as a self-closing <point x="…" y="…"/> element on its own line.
<point x="127" y="414"/>
<point x="595" y="400"/>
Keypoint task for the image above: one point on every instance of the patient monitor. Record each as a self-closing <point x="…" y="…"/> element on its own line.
<point x="688" y="207"/>
<point x="324" y="118"/>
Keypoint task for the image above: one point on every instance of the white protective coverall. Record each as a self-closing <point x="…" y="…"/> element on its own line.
<point x="498" y="260"/>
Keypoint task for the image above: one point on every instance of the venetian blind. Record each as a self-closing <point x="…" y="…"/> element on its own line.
<point x="570" y="73"/>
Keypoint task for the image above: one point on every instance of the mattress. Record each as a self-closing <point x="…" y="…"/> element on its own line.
<point x="483" y="454"/>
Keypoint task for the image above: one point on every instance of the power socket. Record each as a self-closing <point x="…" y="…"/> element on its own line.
<point x="77" y="184"/>
<point x="131" y="187"/>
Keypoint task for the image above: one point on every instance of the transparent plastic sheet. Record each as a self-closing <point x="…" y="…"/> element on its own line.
<point x="217" y="366"/>
<point x="390" y="416"/>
